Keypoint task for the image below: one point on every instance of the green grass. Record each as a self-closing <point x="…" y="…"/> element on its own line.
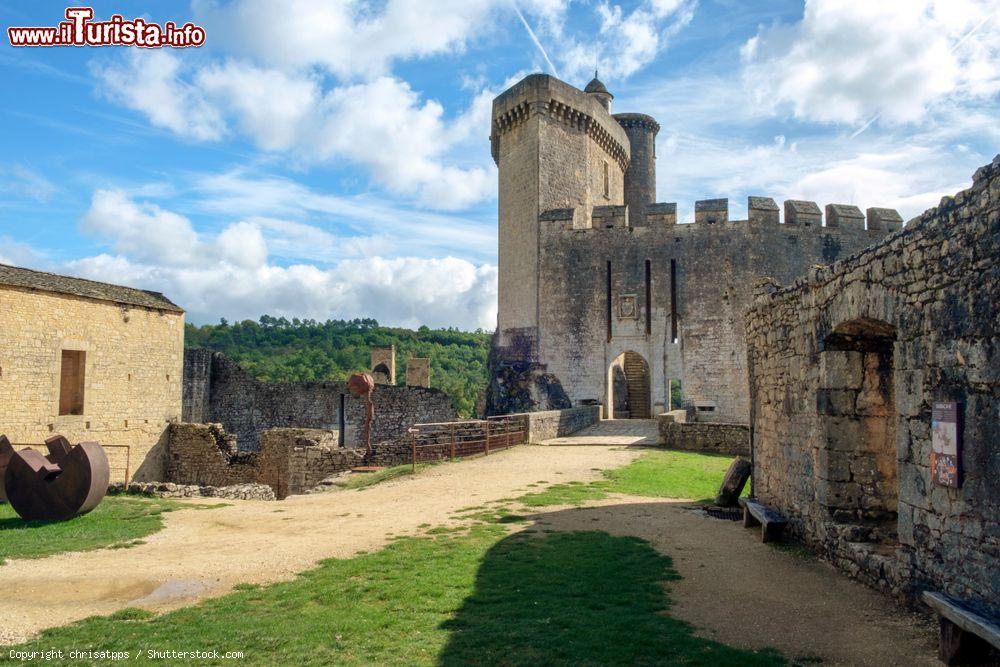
<point x="119" y="521"/>
<point x="366" y="479"/>
<point x="482" y="597"/>
<point x="659" y="474"/>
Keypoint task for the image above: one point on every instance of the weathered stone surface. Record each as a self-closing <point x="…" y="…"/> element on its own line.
<point x="171" y="490"/>
<point x="564" y="237"/>
<point x="711" y="438"/>
<point x="217" y="389"/>
<point x="844" y="366"/>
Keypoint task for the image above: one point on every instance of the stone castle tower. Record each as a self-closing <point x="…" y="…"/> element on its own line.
<point x="604" y="298"/>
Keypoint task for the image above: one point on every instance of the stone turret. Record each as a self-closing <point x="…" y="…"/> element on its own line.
<point x="640" y="176"/>
<point x="599" y="91"/>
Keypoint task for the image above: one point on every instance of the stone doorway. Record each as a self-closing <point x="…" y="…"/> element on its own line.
<point x="628" y="380"/>
<point x="858" y="464"/>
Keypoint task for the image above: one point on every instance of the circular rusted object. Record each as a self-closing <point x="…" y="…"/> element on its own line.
<point x="361" y="384"/>
<point x="70" y="481"/>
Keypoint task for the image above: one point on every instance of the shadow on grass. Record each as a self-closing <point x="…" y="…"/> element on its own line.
<point x="579" y="598"/>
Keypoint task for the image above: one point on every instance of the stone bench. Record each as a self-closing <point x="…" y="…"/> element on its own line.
<point x="966" y="637"/>
<point x="770" y="521"/>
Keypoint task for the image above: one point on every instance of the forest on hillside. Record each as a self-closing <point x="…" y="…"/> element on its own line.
<point x="275" y="349"/>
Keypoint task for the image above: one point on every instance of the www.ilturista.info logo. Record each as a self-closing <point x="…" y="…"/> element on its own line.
<point x="80" y="30"/>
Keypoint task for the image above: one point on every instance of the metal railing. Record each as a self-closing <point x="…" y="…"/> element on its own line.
<point x="459" y="439"/>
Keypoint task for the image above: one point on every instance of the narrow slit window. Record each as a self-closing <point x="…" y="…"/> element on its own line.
<point x="608" y="292"/>
<point x="71" y="382"/>
<point x="649" y="298"/>
<point x="673" y="300"/>
<point x="607" y="180"/>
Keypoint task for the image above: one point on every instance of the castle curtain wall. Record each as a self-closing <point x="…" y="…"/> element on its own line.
<point x="912" y="321"/>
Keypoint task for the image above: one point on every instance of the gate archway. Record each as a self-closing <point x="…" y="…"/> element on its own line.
<point x="629" y="387"/>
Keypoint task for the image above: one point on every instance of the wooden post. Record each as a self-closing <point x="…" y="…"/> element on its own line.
<point x="506" y="428"/>
<point x="487" y="437"/>
<point x="452" y="441"/>
<point x="413" y="442"/>
<point x="128" y="463"/>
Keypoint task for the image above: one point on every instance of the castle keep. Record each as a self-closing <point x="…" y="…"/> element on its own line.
<point x="604" y="297"/>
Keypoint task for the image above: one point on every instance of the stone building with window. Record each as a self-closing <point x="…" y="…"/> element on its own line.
<point x="91" y="361"/>
<point x="604" y="297"/>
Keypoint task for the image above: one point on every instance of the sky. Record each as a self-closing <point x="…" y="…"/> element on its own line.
<point x="330" y="159"/>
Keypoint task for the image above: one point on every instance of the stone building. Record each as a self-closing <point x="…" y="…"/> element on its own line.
<point x="847" y="366"/>
<point x="604" y="298"/>
<point x="90" y="361"/>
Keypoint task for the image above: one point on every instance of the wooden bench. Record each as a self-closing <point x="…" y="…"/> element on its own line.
<point x="966" y="636"/>
<point x="770" y="521"/>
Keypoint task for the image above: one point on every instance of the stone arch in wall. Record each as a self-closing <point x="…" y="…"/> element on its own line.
<point x="381" y="374"/>
<point x="628" y="387"/>
<point x="857" y="463"/>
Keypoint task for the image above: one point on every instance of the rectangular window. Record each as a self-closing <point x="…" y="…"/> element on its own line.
<point x="71" y="382"/>
<point x="649" y="299"/>
<point x="673" y="300"/>
<point x="607" y="181"/>
<point x="608" y="289"/>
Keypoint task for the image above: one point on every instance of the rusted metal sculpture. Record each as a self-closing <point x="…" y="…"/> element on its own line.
<point x="70" y="481"/>
<point x="363" y="384"/>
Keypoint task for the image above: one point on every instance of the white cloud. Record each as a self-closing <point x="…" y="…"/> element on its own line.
<point x="627" y="41"/>
<point x="150" y="82"/>
<point x="229" y="275"/>
<point x="21" y="181"/>
<point x="351" y="39"/>
<point x="382" y="124"/>
<point x="19" y="254"/>
<point x="851" y="62"/>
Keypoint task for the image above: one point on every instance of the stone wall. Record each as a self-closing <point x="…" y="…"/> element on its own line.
<point x="557" y="423"/>
<point x="708" y="438"/>
<point x="132" y="374"/>
<point x="246" y="407"/>
<point x="587" y="273"/>
<point x="290" y="460"/>
<point x="844" y="368"/>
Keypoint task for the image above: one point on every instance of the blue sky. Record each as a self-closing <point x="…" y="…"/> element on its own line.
<point x="331" y="159"/>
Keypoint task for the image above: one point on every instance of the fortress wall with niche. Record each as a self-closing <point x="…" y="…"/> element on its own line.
<point x="843" y="446"/>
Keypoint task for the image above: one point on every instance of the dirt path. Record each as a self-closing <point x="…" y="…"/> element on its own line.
<point x="733" y="588"/>
<point x="204" y="553"/>
<point x="740" y="592"/>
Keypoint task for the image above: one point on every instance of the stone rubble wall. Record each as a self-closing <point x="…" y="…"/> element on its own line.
<point x="557" y="423"/>
<point x="932" y="290"/>
<point x="290" y="461"/>
<point x="704" y="437"/>
<point x="217" y="389"/>
<point x="171" y="490"/>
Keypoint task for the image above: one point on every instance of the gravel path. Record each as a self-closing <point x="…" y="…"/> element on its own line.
<point x="204" y="553"/>
<point x="733" y="588"/>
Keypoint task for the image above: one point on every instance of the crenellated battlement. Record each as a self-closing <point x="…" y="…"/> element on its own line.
<point x="760" y="211"/>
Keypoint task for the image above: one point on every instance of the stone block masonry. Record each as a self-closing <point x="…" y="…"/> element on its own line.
<point x="90" y="361"/>
<point x="845" y="365"/>
<point x="704" y="437"/>
<point x="548" y="424"/>
<point x="217" y="389"/>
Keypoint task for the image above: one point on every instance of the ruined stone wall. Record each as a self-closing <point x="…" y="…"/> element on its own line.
<point x="715" y="265"/>
<point x="247" y="407"/>
<point x="132" y="374"/>
<point x="850" y="359"/>
<point x="557" y="423"/>
<point x="290" y="461"/>
<point x="708" y="438"/>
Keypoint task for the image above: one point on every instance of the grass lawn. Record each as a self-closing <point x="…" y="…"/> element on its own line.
<point x="363" y="480"/>
<point x="657" y="473"/>
<point x="118" y="521"/>
<point x="481" y="596"/>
